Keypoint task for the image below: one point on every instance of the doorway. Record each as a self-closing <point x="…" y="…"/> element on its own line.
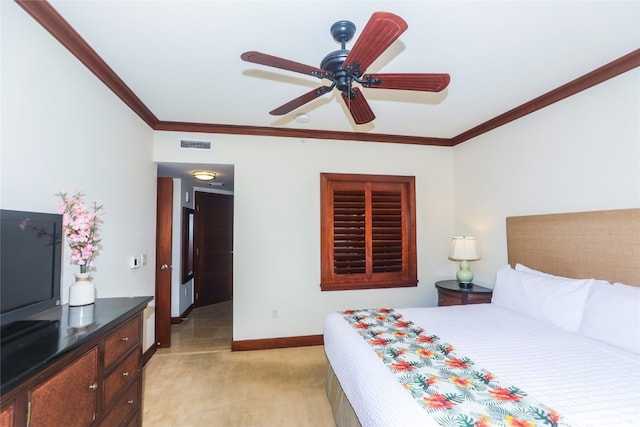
<point x="221" y="288"/>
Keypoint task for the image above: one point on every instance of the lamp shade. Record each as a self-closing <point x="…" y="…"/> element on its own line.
<point x="464" y="248"/>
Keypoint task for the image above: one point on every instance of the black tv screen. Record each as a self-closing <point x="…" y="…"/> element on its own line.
<point x="30" y="263"/>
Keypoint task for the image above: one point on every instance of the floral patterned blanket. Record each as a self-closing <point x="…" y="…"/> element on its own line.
<point x="448" y="386"/>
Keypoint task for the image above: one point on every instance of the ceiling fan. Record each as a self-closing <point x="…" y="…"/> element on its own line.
<point x="345" y="67"/>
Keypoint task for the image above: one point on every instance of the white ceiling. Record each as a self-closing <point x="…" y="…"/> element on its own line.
<point x="182" y="58"/>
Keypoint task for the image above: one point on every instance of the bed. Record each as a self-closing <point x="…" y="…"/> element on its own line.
<point x="563" y="330"/>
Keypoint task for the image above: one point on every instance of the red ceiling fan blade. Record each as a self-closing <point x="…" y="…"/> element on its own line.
<point x="301" y="100"/>
<point x="380" y="32"/>
<point x="285" y="64"/>
<point x="421" y="82"/>
<point x="358" y="106"/>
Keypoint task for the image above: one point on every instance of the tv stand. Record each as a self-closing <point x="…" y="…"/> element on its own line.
<point x="56" y="374"/>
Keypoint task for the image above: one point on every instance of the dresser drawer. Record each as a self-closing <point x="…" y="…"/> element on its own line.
<point x="126" y="405"/>
<point x="121" y="376"/>
<point x="445" y="299"/>
<point x="121" y="341"/>
<point x="477" y="298"/>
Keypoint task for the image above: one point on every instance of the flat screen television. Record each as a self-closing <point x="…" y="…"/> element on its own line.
<point x="30" y="263"/>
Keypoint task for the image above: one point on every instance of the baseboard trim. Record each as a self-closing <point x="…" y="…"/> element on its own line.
<point x="147" y="355"/>
<point x="271" y="343"/>
<point x="182" y="317"/>
<point x="187" y="312"/>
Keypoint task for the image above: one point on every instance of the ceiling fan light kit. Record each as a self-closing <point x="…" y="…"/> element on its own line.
<point x="345" y="67"/>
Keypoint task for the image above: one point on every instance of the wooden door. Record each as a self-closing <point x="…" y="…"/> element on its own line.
<point x="69" y="397"/>
<point x="7" y="416"/>
<point x="163" y="262"/>
<point x="214" y="248"/>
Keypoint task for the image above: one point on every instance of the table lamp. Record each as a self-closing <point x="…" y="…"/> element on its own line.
<point x="464" y="249"/>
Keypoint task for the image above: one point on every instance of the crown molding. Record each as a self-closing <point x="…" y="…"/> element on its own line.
<point x="54" y="23"/>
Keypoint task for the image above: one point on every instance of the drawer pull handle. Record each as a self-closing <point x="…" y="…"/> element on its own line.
<point x="125" y="339"/>
<point x="125" y="374"/>
<point x="93" y="386"/>
<point x="130" y="402"/>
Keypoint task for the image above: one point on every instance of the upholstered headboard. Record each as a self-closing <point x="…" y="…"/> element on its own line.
<point x="598" y="244"/>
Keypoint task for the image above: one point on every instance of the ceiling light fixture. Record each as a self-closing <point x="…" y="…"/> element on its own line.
<point x="204" y="175"/>
<point x="302" y="118"/>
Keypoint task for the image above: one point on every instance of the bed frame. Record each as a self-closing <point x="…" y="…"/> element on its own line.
<point x="583" y="245"/>
<point x="598" y="244"/>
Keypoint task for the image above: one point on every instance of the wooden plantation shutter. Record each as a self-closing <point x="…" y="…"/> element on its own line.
<point x="349" y="232"/>
<point x="367" y="231"/>
<point x="386" y="231"/>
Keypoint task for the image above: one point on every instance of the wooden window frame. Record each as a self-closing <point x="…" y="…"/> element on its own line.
<point x="368" y="191"/>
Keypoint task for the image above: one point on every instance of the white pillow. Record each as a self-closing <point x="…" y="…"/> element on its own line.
<point x="508" y="289"/>
<point x="520" y="267"/>
<point x="556" y="300"/>
<point x="612" y="315"/>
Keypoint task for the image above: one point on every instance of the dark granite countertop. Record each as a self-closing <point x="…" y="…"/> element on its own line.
<point x="27" y="346"/>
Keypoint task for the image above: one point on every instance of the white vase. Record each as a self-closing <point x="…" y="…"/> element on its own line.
<point x="82" y="316"/>
<point x="82" y="292"/>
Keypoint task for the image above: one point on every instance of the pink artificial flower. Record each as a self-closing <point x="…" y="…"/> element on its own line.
<point x="81" y="228"/>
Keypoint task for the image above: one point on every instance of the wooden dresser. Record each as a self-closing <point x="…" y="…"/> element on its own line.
<point x="61" y="369"/>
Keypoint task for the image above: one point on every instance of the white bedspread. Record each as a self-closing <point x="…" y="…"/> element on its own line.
<point x="590" y="383"/>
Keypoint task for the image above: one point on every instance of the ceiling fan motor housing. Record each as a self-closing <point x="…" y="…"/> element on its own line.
<point x="333" y="62"/>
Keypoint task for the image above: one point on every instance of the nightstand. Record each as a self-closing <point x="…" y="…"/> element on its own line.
<point x="450" y="293"/>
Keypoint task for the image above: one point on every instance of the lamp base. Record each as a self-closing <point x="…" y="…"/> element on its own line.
<point x="464" y="275"/>
<point x="467" y="285"/>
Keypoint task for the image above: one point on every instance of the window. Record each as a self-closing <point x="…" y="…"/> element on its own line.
<point x="368" y="231"/>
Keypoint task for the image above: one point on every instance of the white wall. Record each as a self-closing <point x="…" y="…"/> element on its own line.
<point x="580" y="154"/>
<point x="62" y="129"/>
<point x="277" y="224"/>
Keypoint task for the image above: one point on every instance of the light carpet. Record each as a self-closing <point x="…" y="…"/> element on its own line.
<point x="280" y="387"/>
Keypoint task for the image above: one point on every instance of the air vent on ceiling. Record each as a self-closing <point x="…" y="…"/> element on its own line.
<point x="202" y="145"/>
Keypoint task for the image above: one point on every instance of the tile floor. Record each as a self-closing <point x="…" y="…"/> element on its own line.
<point x="205" y="329"/>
